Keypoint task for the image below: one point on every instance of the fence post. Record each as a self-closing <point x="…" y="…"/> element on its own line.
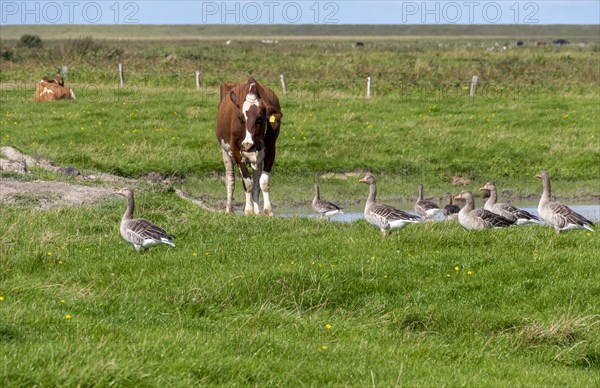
<point x="121" y="78"/>
<point x="368" y="86"/>
<point x="198" y="73"/>
<point x="473" y="85"/>
<point x="63" y="71"/>
<point x="282" y="78"/>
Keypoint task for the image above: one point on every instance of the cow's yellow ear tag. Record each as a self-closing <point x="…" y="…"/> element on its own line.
<point x="272" y="119"/>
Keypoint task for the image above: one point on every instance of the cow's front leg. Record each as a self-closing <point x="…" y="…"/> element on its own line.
<point x="246" y="180"/>
<point x="257" y="169"/>
<point x="265" y="178"/>
<point x="229" y="180"/>
<point x="248" y="187"/>
<point x="265" y="185"/>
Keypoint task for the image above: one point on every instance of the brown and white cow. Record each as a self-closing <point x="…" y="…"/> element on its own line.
<point x="53" y="89"/>
<point x="248" y="123"/>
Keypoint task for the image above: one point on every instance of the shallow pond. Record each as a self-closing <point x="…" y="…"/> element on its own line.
<point x="590" y="210"/>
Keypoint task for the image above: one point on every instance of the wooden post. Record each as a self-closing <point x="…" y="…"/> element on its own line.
<point x="198" y="79"/>
<point x="63" y="71"/>
<point x="282" y="78"/>
<point x="369" y="87"/>
<point x="473" y="85"/>
<point x="121" y="78"/>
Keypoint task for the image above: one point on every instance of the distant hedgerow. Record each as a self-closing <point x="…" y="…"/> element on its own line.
<point x="30" y="41"/>
<point x="88" y="47"/>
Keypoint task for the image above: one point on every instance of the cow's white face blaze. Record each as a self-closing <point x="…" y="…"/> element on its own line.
<point x="253" y="120"/>
<point x="250" y="101"/>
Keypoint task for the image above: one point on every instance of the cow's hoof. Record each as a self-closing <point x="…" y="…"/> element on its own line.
<point x="269" y="212"/>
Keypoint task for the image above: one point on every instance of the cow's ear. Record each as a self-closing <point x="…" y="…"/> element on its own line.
<point x="253" y="89"/>
<point x="234" y="98"/>
<point x="271" y="110"/>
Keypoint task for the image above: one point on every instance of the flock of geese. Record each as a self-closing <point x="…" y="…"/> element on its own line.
<point x="493" y="214"/>
<point x="143" y="234"/>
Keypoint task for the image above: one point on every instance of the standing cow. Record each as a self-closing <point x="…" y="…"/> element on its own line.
<point x="248" y="124"/>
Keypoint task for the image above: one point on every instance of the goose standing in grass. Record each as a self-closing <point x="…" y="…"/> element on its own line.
<point x="508" y="211"/>
<point x="425" y="208"/>
<point x="139" y="232"/>
<point x="450" y="210"/>
<point x="477" y="219"/>
<point x="555" y="214"/>
<point x="323" y="207"/>
<point x="384" y="217"/>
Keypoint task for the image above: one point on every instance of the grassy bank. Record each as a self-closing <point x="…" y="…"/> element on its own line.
<point x="240" y="301"/>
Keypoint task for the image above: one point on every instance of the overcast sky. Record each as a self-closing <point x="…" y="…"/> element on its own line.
<point x="299" y="12"/>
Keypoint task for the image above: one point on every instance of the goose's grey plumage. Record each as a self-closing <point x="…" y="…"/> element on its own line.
<point x="508" y="211"/>
<point x="450" y="210"/>
<point x="425" y="208"/>
<point x="142" y="234"/>
<point x="557" y="215"/>
<point x="384" y="217"/>
<point x="476" y="219"/>
<point x="323" y="207"/>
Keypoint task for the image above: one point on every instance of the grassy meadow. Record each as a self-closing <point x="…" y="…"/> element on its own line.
<point x="299" y="301"/>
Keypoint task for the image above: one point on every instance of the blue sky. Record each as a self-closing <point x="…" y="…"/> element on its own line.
<point x="300" y="12"/>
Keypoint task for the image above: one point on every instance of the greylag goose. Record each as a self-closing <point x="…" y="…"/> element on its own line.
<point x="450" y="210"/>
<point x="323" y="207"/>
<point x="508" y="211"/>
<point x="384" y="217"/>
<point x="476" y="219"/>
<point x="424" y="207"/>
<point x="555" y="214"/>
<point x="139" y="232"/>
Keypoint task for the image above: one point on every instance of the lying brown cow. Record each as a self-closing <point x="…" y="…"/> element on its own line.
<point x="248" y="123"/>
<point x="54" y="89"/>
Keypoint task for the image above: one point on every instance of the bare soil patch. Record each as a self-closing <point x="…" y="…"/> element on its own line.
<point x="44" y="194"/>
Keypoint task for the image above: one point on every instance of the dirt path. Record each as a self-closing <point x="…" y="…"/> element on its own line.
<point x="45" y="194"/>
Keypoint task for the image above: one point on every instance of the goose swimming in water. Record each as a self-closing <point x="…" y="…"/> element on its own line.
<point x="425" y="208"/>
<point x="323" y="207"/>
<point x="450" y="210"/>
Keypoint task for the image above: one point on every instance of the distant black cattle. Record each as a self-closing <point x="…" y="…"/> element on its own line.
<point x="520" y="43"/>
<point x="560" y="42"/>
<point x="358" y="44"/>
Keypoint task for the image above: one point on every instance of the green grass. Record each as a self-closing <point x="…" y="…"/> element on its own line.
<point x="241" y="301"/>
<point x="403" y="140"/>
<point x="297" y="301"/>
